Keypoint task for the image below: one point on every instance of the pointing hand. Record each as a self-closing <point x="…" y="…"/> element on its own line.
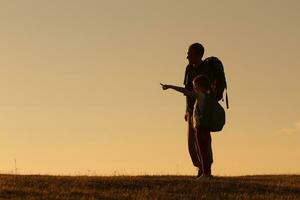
<point x="164" y="87"/>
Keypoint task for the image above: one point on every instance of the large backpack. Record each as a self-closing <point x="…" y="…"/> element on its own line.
<point x="219" y="81"/>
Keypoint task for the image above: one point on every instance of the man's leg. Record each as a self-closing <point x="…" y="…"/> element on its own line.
<point x="204" y="142"/>
<point x="192" y="144"/>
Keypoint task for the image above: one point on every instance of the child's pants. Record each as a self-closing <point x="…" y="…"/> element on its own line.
<point x="203" y="138"/>
<point x="192" y="144"/>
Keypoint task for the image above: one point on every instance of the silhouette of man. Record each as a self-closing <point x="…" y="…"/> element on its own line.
<point x="195" y="67"/>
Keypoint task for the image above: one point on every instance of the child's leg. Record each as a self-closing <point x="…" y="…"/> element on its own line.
<point x="204" y="142"/>
<point x="192" y="144"/>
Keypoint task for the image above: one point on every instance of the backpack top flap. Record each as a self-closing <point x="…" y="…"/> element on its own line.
<point x="218" y="81"/>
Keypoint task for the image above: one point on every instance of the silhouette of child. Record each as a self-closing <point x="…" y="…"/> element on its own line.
<point x="201" y="88"/>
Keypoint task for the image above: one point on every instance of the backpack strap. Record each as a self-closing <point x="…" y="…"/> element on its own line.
<point x="227" y="102"/>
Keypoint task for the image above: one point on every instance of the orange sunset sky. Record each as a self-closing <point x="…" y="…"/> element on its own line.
<point x="80" y="93"/>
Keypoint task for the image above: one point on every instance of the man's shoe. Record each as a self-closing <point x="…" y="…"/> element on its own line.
<point x="205" y="177"/>
<point x="199" y="174"/>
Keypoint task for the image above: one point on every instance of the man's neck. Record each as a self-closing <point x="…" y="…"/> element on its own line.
<point x="197" y="64"/>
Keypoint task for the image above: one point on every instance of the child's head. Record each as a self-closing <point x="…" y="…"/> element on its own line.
<point x="201" y="83"/>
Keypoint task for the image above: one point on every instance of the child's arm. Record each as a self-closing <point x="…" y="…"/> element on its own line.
<point x="179" y="89"/>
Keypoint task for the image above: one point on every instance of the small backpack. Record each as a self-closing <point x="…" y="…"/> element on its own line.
<point x="219" y="81"/>
<point x="213" y="115"/>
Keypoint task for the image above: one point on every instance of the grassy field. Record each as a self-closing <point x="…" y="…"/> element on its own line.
<point x="149" y="187"/>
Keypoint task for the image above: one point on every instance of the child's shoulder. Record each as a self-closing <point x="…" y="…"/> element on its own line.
<point x="201" y="95"/>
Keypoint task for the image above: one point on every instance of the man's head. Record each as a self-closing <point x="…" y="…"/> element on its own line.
<point x="201" y="83"/>
<point x="195" y="54"/>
